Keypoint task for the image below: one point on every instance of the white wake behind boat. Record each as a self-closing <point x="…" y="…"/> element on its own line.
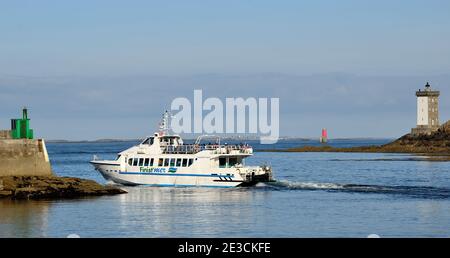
<point x="164" y="160"/>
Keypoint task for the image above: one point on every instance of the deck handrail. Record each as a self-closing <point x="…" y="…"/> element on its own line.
<point x="195" y="148"/>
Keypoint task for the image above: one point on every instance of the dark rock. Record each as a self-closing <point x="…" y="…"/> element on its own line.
<point x="5" y="193"/>
<point x="437" y="142"/>
<point x="49" y="187"/>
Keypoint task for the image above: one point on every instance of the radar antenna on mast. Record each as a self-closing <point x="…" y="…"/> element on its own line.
<point x="164" y="125"/>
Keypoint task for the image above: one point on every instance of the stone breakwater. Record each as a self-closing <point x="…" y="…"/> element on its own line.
<point x="24" y="157"/>
<point x="52" y="187"/>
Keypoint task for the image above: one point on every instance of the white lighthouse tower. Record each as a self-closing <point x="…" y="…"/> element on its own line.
<point x="427" y="111"/>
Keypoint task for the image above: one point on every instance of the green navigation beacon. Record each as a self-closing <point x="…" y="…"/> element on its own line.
<point x="20" y="128"/>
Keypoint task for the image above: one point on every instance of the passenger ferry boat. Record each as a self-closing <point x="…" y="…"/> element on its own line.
<point x="164" y="160"/>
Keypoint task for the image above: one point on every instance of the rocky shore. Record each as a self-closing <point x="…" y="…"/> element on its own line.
<point x="52" y="187"/>
<point x="436" y="144"/>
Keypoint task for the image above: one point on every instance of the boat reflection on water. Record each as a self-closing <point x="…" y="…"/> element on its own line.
<point x="24" y="218"/>
<point x="143" y="212"/>
<point x="179" y="212"/>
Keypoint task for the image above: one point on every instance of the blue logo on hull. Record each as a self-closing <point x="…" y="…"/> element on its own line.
<point x="157" y="170"/>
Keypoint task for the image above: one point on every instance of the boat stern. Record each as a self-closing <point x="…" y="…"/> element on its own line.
<point x="254" y="175"/>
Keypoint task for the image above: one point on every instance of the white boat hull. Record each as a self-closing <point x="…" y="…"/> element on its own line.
<point x="180" y="178"/>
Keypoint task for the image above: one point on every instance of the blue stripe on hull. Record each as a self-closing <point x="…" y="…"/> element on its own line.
<point x="122" y="181"/>
<point x="176" y="185"/>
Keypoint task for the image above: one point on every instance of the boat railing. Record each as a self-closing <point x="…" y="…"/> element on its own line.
<point x="195" y="148"/>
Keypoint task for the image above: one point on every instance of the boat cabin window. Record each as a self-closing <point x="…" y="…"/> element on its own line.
<point x="222" y="162"/>
<point x="148" y="162"/>
<point x="173" y="162"/>
<point x="130" y="162"/>
<point x="135" y="162"/>
<point x="118" y="157"/>
<point x="141" y="162"/>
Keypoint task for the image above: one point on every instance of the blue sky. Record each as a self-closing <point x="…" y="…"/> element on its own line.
<point x="100" y="69"/>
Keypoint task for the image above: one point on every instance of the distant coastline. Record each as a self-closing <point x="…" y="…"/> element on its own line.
<point x="222" y="138"/>
<point x="435" y="144"/>
<point x="92" y="141"/>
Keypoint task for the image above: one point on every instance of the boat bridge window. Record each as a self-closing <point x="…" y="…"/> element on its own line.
<point x="232" y="161"/>
<point x="148" y="141"/>
<point x="170" y="140"/>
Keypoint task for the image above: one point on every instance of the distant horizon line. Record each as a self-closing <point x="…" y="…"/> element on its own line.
<point x="229" y="73"/>
<point x="226" y="138"/>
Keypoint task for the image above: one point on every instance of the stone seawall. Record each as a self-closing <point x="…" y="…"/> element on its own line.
<point x="5" y="134"/>
<point x="24" y="157"/>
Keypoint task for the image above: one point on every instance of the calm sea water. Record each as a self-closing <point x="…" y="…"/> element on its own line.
<point x="317" y="195"/>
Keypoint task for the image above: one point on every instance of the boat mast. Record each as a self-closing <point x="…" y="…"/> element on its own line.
<point x="164" y="125"/>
